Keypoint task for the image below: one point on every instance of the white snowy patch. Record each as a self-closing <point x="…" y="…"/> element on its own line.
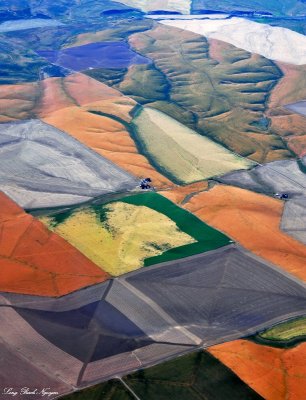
<point x="275" y="43"/>
<point x="182" y="6"/>
<point x="188" y="16"/>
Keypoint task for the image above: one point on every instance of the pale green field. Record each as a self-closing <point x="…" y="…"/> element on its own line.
<point x="181" y="153"/>
<point x="286" y="331"/>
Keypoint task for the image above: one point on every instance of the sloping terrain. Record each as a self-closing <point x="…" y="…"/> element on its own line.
<point x="288" y="124"/>
<point x="18" y="63"/>
<point x="94" y="55"/>
<point x="126" y="281"/>
<point x="26" y="375"/>
<point x="181" y="6"/>
<point x="139" y="230"/>
<point x="180" y="153"/>
<point x="273" y="373"/>
<point x="44" y="167"/>
<point x="274" y="43"/>
<point x="253" y="220"/>
<point x="17" y="101"/>
<point x="96" y="115"/>
<point x="93" y="113"/>
<point x="36" y="261"/>
<point x="299" y="107"/>
<point x="220" y="294"/>
<point x="236" y="90"/>
<point x="286" y="334"/>
<point x="93" y="335"/>
<point x="279" y="177"/>
<point x="275" y="7"/>
<point x="12" y="26"/>
<point x="128" y="235"/>
<point x="190" y="377"/>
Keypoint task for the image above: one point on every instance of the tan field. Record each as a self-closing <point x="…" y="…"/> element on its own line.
<point x="273" y="373"/>
<point x="225" y="88"/>
<point x="179" y="193"/>
<point x="218" y="49"/>
<point x="253" y="220"/>
<point x="17" y="101"/>
<point x="83" y="91"/>
<point x="290" y="89"/>
<point x="184" y="154"/>
<point x="129" y="235"/>
<point x="108" y="138"/>
<point x="103" y="134"/>
<point x="92" y="37"/>
<point x="68" y="104"/>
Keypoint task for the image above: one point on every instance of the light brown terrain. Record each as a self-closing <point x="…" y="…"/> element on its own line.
<point x="252" y="220"/>
<point x="218" y="49"/>
<point x="103" y="134"/>
<point x="34" y="260"/>
<point x="290" y="89"/>
<point x="88" y="110"/>
<point x="179" y="193"/>
<point x="276" y="374"/>
<point x="83" y="91"/>
<point x="17" y="101"/>
<point x="224" y="88"/>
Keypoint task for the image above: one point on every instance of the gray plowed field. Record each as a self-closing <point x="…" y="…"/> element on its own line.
<point x="44" y="167"/>
<point x="168" y="309"/>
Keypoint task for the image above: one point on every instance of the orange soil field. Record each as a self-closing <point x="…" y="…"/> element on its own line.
<point x="34" y="260"/>
<point x="252" y="220"/>
<point x="66" y="104"/>
<point x="81" y="90"/>
<point x="276" y="374"/>
<point x="178" y="194"/>
<point x="108" y="138"/>
<point x="101" y="133"/>
<point x="290" y="89"/>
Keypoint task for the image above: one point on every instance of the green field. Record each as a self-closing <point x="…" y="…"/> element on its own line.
<point x="285" y="335"/>
<point x="111" y="390"/>
<point x="287" y="330"/>
<point x="135" y="231"/>
<point x="207" y="238"/>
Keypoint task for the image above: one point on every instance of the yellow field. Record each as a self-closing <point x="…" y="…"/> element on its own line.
<point x="121" y="243"/>
<point x="186" y="156"/>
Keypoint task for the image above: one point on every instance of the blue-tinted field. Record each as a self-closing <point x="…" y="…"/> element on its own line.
<point x="19" y="25"/>
<point x="95" y="55"/>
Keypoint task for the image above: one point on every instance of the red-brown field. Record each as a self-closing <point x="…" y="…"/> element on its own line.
<point x="34" y="260"/>
<point x="252" y="220"/>
<point x="276" y="374"/>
